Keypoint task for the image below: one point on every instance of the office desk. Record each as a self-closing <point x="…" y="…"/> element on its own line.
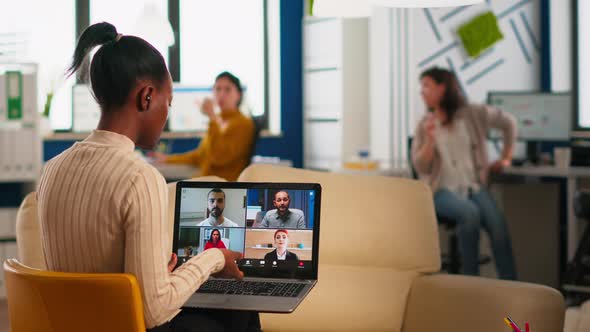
<point x="572" y="175"/>
<point x="176" y="172"/>
<point x="395" y="172"/>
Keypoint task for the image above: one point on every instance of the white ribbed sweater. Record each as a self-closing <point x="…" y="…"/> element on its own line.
<point x="103" y="210"/>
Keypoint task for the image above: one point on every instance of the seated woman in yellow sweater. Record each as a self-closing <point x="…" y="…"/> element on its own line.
<point x="225" y="150"/>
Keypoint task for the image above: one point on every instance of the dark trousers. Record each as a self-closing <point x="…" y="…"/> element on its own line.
<point x="210" y="320"/>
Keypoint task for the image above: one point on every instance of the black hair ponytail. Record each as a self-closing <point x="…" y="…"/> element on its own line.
<point x="95" y="35"/>
<point x="118" y="64"/>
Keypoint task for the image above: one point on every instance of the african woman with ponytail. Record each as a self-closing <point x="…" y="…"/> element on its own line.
<point x="102" y="209"/>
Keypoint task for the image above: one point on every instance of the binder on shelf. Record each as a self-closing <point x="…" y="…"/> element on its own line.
<point x="29" y="100"/>
<point x="14" y="95"/>
<point x="13" y="223"/>
<point x="4" y="158"/>
<point x="19" y="153"/>
<point x="3" y="102"/>
<point x="7" y="153"/>
<point x="30" y="169"/>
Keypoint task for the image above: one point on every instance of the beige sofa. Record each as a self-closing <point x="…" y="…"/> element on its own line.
<point x="577" y="319"/>
<point x="379" y="258"/>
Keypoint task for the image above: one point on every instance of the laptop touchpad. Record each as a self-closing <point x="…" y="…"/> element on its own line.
<point x="201" y="299"/>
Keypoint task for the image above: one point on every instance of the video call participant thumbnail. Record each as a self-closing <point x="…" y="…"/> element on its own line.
<point x="281" y="243"/>
<point x="215" y="240"/>
<point x="283" y="216"/>
<point x="216" y="205"/>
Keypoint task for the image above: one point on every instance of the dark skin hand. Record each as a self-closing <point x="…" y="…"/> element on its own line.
<point x="230" y="269"/>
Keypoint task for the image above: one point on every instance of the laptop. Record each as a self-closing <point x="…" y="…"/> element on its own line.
<point x="280" y="250"/>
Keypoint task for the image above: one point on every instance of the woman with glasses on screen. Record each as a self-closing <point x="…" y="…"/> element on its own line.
<point x="226" y="148"/>
<point x="281" y="240"/>
<point x="214" y="240"/>
<point x="449" y="152"/>
<point x="99" y="196"/>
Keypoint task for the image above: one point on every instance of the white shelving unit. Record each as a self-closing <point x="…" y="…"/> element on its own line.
<point x="336" y="91"/>
<point x="21" y="154"/>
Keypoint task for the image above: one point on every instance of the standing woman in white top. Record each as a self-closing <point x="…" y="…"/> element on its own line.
<point x="102" y="209"/>
<point x="449" y="152"/>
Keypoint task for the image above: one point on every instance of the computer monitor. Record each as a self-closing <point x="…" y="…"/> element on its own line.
<point x="541" y="116"/>
<point x="581" y="68"/>
<point x="85" y="110"/>
<point x="185" y="114"/>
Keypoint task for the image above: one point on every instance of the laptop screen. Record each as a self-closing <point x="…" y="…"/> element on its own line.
<point x="274" y="226"/>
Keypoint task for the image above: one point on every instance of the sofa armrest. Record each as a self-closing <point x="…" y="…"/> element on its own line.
<point x="454" y="303"/>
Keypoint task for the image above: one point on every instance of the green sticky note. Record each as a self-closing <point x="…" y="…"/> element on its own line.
<point x="14" y="93"/>
<point x="480" y="33"/>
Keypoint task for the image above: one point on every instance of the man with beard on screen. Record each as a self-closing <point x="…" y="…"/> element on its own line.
<point x="283" y="216"/>
<point x="215" y="205"/>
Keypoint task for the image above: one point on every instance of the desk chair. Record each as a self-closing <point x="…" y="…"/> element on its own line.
<point x="71" y="302"/>
<point x="451" y="261"/>
<point x="258" y="219"/>
<point x="258" y="124"/>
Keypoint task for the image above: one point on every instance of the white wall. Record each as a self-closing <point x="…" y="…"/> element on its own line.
<point x="404" y="42"/>
<point x="561" y="33"/>
<point x="390" y="50"/>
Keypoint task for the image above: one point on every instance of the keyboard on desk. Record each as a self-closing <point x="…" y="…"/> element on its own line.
<point x="250" y="287"/>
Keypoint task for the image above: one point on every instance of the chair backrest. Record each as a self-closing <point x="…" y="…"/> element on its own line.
<point x="258" y="124"/>
<point x="582" y="204"/>
<point x="368" y="220"/>
<point x="28" y="233"/>
<point x="410" y="163"/>
<point x="56" y="301"/>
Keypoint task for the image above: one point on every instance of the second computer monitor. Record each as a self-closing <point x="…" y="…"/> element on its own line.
<point x="540" y="116"/>
<point x="185" y="114"/>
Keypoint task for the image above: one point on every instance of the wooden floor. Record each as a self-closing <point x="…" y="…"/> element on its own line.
<point x="3" y="316"/>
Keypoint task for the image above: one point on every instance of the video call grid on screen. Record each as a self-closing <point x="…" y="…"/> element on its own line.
<point x="254" y="222"/>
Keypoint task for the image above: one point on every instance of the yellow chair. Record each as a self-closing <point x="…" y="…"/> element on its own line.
<point x="45" y="301"/>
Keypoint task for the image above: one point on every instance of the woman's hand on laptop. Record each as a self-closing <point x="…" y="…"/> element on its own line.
<point x="230" y="269"/>
<point x="172" y="262"/>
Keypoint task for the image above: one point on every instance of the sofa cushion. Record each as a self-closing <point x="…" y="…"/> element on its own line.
<point x="28" y="233"/>
<point x="349" y="298"/>
<point x="368" y="220"/>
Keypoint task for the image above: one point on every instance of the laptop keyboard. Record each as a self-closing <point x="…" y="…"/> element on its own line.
<point x="262" y="288"/>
